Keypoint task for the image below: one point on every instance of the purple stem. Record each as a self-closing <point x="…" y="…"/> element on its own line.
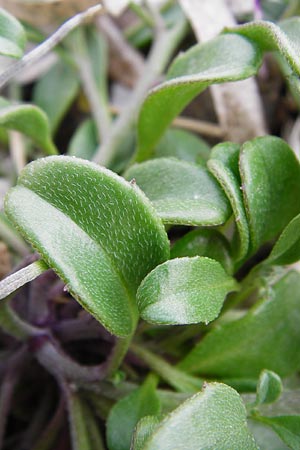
<point x="13" y="373"/>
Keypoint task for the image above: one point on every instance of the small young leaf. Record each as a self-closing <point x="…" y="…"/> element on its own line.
<point x="63" y="80"/>
<point x="212" y="419"/>
<point x="224" y="165"/>
<point x="12" y="35"/>
<point x="204" y="242"/>
<point x="143" y="431"/>
<point x="179" y="144"/>
<point x="181" y="192"/>
<point x="287" y="427"/>
<point x="31" y="121"/>
<point x="98" y="232"/>
<point x="244" y="347"/>
<point x="270" y="176"/>
<point x="184" y="291"/>
<point x="287" y="248"/>
<point x="225" y="58"/>
<point x="269" y="387"/>
<point x="125" y="414"/>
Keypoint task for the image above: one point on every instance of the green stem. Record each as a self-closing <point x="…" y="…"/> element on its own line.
<point x="179" y="380"/>
<point x="118" y="354"/>
<point x="13" y="325"/>
<point x="141" y="13"/>
<point x="161" y="51"/>
<point x="23" y="276"/>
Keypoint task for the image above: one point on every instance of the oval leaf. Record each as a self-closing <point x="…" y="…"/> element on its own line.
<point x="244" y="347"/>
<point x="225" y="58"/>
<point x="182" y="193"/>
<point x="204" y="242"/>
<point x="270" y="176"/>
<point x="31" y="121"/>
<point x="184" y="291"/>
<point x="212" y="419"/>
<point x="98" y="232"/>
<point x="125" y="414"/>
<point x="224" y="165"/>
<point x="12" y="35"/>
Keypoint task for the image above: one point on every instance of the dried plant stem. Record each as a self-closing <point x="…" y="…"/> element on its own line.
<point x="186" y="123"/>
<point x="162" y="48"/>
<point x="96" y="100"/>
<point x="199" y="126"/>
<point x="44" y="48"/>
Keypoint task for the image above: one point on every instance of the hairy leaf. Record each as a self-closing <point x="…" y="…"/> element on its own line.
<point x="143" y="431"/>
<point x="270" y="176"/>
<point x="224" y="165"/>
<point x="126" y="413"/>
<point x="29" y="120"/>
<point x="204" y="242"/>
<point x="181" y="192"/>
<point x="225" y="58"/>
<point x="244" y="347"/>
<point x="212" y="419"/>
<point x="184" y="291"/>
<point x="12" y="35"/>
<point x="270" y="37"/>
<point x="98" y="232"/>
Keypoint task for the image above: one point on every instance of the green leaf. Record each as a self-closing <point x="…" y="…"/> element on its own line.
<point x="244" y="347"/>
<point x="212" y="419"/>
<point x="179" y="144"/>
<point x="181" y="192"/>
<point x="143" y="431"/>
<point x="126" y="413"/>
<point x="270" y="37"/>
<point x="29" y="120"/>
<point x="62" y="80"/>
<point x="287" y="427"/>
<point x="269" y="387"/>
<point x="204" y="242"/>
<point x="265" y="437"/>
<point x="270" y="176"/>
<point x="287" y="248"/>
<point x="84" y="141"/>
<point x="224" y="165"/>
<point x="12" y="35"/>
<point x="225" y="58"/>
<point x="184" y="291"/>
<point x="98" y="232"/>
